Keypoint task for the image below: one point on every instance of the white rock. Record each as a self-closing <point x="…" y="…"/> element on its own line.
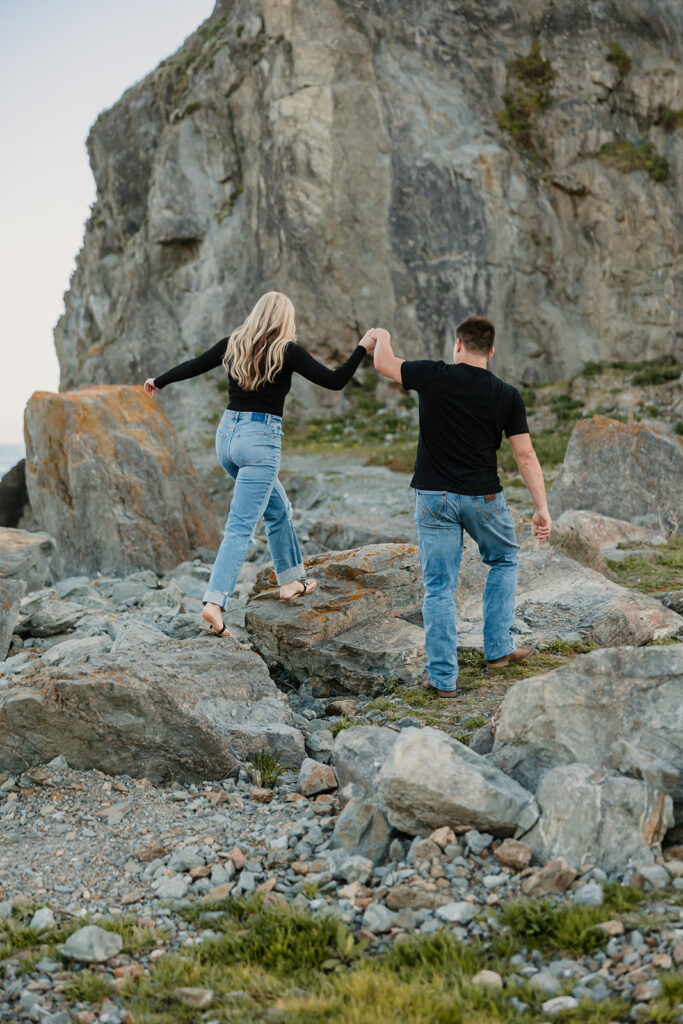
<point x="42" y="919"/>
<point x="456" y="913"/>
<point x="590" y="895"/>
<point x="91" y="945"/>
<point x="559" y="1003"/>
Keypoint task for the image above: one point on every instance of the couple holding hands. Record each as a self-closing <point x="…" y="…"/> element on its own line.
<point x="464" y="410"/>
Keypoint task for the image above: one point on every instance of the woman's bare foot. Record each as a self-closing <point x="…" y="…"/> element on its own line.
<point x="213" y="614"/>
<point x="297" y="588"/>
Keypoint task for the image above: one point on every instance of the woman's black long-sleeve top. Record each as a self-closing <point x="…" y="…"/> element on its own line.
<point x="270" y="397"/>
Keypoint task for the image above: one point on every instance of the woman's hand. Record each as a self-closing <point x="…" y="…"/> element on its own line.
<point x="368" y="341"/>
<point x="150" y="388"/>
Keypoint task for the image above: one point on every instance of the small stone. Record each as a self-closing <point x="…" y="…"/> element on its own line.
<point x="261" y="795"/>
<point x="494" y="881"/>
<point x="42" y="919"/>
<point x="456" y="913"/>
<point x="545" y="983"/>
<point x="513" y="854"/>
<point x="489" y="978"/>
<point x="149" y="851"/>
<point x="590" y="895"/>
<point x="316" y="777"/>
<point x="238" y="857"/>
<point x="201" y="871"/>
<point x="300" y="867"/>
<point x="173" y="888"/>
<point x="219" y="892"/>
<point x="443" y="836"/>
<point x="650" y="876"/>
<point x="662" y="961"/>
<point x="611" y="928"/>
<point x="378" y="918"/>
<point x="424" y="849"/>
<point x="356" y="869"/>
<point x="559" y="1003"/>
<point x="677" y="953"/>
<point x="91" y="945"/>
<point x="647" y="990"/>
<point x="199" y="998"/>
<point x="556" y="876"/>
<point x="477" y="842"/>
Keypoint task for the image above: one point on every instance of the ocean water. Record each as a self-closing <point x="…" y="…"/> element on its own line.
<point x="10" y="455"/>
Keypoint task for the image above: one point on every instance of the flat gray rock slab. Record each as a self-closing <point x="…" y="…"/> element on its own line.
<point x="11" y="593"/>
<point x="620" y="709"/>
<point x="187" y="709"/>
<point x="24" y="556"/>
<point x="559" y="599"/>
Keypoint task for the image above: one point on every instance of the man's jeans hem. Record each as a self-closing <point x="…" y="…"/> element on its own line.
<point x="289" y="575"/>
<point x="215" y="597"/>
<point x="446" y="689"/>
<point x="498" y="651"/>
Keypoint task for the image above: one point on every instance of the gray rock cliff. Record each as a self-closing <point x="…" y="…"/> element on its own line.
<point x="389" y="162"/>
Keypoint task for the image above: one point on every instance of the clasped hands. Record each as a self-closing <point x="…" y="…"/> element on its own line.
<point x="372" y="336"/>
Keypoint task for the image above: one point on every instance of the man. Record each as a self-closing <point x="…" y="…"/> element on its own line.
<point x="464" y="410"/>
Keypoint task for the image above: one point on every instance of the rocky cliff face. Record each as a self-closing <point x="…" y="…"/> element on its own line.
<point x="387" y="161"/>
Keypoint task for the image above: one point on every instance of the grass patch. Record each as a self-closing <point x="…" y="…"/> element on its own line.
<point x="566" y="408"/>
<point x="670" y="120"/>
<point x="269" y="766"/>
<point x="655" y="373"/>
<point x="569" y="929"/>
<point x="628" y="156"/>
<point x="617" y="55"/>
<point x="87" y="987"/>
<point x="529" y="79"/>
<point x="649" y="577"/>
<point x="345" y="722"/>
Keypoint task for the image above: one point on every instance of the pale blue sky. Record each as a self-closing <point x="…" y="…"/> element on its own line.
<point x="60" y="65"/>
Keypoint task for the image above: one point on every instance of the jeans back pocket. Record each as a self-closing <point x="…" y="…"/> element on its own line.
<point x="429" y="506"/>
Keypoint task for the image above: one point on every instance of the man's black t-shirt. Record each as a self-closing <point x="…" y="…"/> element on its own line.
<point x="463" y="412"/>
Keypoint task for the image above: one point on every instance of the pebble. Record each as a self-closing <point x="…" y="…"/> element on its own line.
<point x="590" y="895"/>
<point x="456" y="913"/>
<point x="91" y="945"/>
<point x="559" y="1003"/>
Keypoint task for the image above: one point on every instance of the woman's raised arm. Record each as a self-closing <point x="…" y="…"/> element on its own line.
<point x="300" y="361"/>
<point x="209" y="360"/>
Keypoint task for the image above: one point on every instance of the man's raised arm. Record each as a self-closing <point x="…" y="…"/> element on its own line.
<point x="386" y="362"/>
<point x="532" y="475"/>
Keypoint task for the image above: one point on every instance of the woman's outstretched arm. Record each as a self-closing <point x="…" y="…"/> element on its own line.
<point x="300" y="361"/>
<point x="208" y="360"/>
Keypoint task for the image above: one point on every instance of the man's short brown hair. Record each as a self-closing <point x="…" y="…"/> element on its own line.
<point x="477" y="334"/>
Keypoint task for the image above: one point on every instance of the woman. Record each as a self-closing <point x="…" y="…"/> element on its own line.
<point x="259" y="358"/>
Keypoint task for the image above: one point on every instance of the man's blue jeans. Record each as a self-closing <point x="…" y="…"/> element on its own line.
<point x="440" y="517"/>
<point x="248" y="448"/>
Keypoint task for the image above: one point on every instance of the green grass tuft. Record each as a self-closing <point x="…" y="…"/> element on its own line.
<point x="670" y="120"/>
<point x="529" y="80"/>
<point x="628" y="156"/>
<point x="269" y="766"/>
<point x="650" y="577"/>
<point x="621" y="60"/>
<point x="87" y="987"/>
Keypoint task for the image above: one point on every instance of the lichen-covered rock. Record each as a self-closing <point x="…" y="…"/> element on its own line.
<point x="349" y="632"/>
<point x="619" y="709"/>
<point x="24" y="556"/>
<point x="592" y="816"/>
<point x="430" y="779"/>
<point x="622" y="470"/>
<point x="280" y="133"/>
<point x="187" y="709"/>
<point x="11" y="593"/>
<point x="558" y="599"/>
<point x="592" y="539"/>
<point x="108" y="479"/>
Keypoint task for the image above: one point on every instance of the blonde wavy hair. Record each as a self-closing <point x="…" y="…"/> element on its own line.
<point x="256" y="350"/>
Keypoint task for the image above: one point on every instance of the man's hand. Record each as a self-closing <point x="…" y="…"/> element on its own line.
<point x="150" y="388"/>
<point x="542" y="524"/>
<point x="386" y="362"/>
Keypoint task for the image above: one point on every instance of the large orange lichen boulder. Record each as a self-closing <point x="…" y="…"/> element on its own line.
<point x="109" y="481"/>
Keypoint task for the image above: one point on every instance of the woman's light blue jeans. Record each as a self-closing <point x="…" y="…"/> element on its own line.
<point x="440" y="517"/>
<point x="248" y="448"/>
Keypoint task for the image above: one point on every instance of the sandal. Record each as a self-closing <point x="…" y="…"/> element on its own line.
<point x="308" y="588"/>
<point x="216" y="632"/>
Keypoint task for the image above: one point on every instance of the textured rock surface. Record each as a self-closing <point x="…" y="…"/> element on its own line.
<point x="619" y="709"/>
<point x="591" y="816"/>
<point x="622" y="470"/>
<point x="349" y="633"/>
<point x="183" y="710"/>
<point x="363" y="829"/>
<point x="558" y="599"/>
<point x="108" y="479"/>
<point x="360" y="752"/>
<point x="24" y="556"/>
<point x="591" y="538"/>
<point x="11" y="593"/>
<point x="280" y="130"/>
<point x="429" y="780"/>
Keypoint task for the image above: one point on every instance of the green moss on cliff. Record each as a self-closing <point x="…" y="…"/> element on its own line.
<point x="626" y="156"/>
<point x="529" y="79"/>
<point x="670" y="120"/>
<point x="621" y="60"/>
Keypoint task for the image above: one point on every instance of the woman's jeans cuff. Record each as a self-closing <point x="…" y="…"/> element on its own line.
<point x="289" y="575"/>
<point x="215" y="597"/>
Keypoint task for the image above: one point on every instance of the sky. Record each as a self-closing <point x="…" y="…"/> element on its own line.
<point x="61" y="64"/>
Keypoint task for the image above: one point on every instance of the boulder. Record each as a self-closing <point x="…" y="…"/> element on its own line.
<point x="619" y="709"/>
<point x="592" y="539"/>
<point x="351" y="633"/>
<point x="360" y="752"/>
<point x="558" y="599"/>
<point x="13" y="494"/>
<point x="108" y="479"/>
<point x="430" y="779"/>
<point x="673" y="599"/>
<point x="24" y="556"/>
<point x="592" y="816"/>
<point x="363" y="829"/>
<point x="11" y="593"/>
<point x="622" y="470"/>
<point x="91" y="945"/>
<point x="187" y="709"/>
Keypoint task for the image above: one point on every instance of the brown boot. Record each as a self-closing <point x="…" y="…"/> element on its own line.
<point x="519" y="654"/>
<point x="426" y="685"/>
